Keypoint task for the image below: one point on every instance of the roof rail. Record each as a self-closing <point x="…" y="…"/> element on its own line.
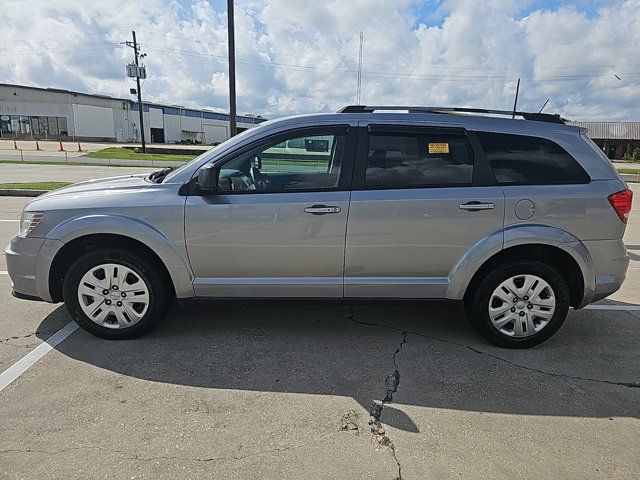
<point x="539" y="117"/>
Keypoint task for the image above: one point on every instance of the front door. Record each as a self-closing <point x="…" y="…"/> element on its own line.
<point x="422" y="197"/>
<point x="276" y="226"/>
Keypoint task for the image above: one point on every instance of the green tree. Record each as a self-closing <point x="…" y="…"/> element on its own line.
<point x="632" y="156"/>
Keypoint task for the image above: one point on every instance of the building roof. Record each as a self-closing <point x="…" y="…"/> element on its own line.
<point x="611" y="130"/>
<point x="248" y="118"/>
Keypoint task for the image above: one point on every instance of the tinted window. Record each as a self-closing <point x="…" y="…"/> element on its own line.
<point x="298" y="163"/>
<point x="418" y="159"/>
<point x="519" y="159"/>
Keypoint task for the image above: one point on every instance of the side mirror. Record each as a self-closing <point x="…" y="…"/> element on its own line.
<point x="208" y="177"/>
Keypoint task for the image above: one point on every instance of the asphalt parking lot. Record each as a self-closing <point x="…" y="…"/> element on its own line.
<point x="277" y="390"/>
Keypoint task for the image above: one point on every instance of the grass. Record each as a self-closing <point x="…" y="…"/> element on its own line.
<point x="129" y="154"/>
<point x="627" y="170"/>
<point x="33" y="185"/>
<point x="72" y="164"/>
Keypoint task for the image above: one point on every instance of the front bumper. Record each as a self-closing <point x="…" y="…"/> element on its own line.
<point x="22" y="257"/>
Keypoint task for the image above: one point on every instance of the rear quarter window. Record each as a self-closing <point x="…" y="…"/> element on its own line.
<point x="525" y="160"/>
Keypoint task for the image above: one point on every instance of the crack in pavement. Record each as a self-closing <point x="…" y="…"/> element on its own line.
<point x="391" y="383"/>
<point x="481" y="352"/>
<point x="127" y="456"/>
<point x="20" y="337"/>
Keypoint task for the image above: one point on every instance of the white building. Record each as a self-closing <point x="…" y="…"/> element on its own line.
<point x="30" y="112"/>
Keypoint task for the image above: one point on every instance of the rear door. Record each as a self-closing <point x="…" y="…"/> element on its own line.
<point x="421" y="197"/>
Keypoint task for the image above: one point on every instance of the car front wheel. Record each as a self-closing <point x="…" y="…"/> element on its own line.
<point x="114" y="294"/>
<point x="519" y="304"/>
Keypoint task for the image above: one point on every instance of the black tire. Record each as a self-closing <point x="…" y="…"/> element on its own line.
<point x="477" y="303"/>
<point x="160" y="294"/>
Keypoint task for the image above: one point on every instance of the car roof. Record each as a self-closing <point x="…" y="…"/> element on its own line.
<point x="469" y="121"/>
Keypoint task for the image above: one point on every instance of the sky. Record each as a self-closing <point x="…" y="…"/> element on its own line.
<point x="296" y="56"/>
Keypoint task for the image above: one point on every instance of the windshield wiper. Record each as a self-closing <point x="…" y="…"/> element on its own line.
<point x="157" y="177"/>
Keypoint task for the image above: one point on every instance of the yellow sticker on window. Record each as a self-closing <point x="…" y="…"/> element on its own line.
<point x="438" y="148"/>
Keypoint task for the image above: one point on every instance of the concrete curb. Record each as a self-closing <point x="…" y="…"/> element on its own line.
<point x="15" y="192"/>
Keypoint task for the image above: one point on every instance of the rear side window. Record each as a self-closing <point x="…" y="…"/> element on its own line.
<point x="520" y="159"/>
<point x="421" y="159"/>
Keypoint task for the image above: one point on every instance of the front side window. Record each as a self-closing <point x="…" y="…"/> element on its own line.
<point x="520" y="159"/>
<point x="304" y="162"/>
<point x="424" y="159"/>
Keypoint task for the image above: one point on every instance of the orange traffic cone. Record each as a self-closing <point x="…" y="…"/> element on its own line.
<point x="61" y="147"/>
<point x="15" y="145"/>
<point x="37" y="145"/>
<point x="79" y="149"/>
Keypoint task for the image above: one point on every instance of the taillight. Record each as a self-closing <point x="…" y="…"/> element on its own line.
<point x="621" y="203"/>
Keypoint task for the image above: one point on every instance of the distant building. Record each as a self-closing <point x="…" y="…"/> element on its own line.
<point x="30" y="112"/>
<point x="614" y="138"/>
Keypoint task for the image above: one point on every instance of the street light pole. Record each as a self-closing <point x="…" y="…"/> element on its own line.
<point x="232" y="70"/>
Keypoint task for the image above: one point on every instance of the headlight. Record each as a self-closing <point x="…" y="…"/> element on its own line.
<point x="29" y="221"/>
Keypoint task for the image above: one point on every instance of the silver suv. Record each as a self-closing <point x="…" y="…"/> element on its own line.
<point x="519" y="219"/>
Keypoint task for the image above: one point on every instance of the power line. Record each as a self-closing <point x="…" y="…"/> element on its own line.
<point x="379" y="73"/>
<point x="66" y="48"/>
<point x="346" y="70"/>
<point x="62" y="49"/>
<point x="104" y="32"/>
<point x="476" y="67"/>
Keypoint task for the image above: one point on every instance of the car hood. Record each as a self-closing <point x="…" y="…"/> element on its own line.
<point x="102" y="186"/>
<point x="95" y="193"/>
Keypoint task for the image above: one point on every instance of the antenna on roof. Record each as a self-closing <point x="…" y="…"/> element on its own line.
<point x="515" y="103"/>
<point x="545" y="104"/>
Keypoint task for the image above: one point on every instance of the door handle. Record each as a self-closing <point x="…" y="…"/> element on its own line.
<point x="322" y="209"/>
<point x="475" y="206"/>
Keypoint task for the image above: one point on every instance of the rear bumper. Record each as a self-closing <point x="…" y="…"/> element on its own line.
<point x="22" y="256"/>
<point x="610" y="264"/>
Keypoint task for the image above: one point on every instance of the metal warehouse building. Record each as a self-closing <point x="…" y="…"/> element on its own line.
<point x="616" y="139"/>
<point x="29" y="112"/>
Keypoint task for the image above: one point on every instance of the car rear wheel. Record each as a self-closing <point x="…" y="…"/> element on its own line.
<point x="519" y="304"/>
<point x="115" y="294"/>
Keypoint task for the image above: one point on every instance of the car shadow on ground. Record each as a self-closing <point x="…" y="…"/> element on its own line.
<point x="590" y="368"/>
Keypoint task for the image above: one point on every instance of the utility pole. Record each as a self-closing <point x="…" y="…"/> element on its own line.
<point x="359" y="88"/>
<point x="136" y="51"/>
<point x="232" y="70"/>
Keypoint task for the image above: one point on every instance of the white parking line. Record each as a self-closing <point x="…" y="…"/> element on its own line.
<point x="4" y="272"/>
<point x="22" y="365"/>
<point x="627" y="308"/>
<point x="9" y="220"/>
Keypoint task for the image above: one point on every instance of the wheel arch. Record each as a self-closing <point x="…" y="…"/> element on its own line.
<point x="554" y="246"/>
<point x="76" y="236"/>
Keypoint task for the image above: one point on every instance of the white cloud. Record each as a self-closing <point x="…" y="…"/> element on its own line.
<point x="302" y="56"/>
